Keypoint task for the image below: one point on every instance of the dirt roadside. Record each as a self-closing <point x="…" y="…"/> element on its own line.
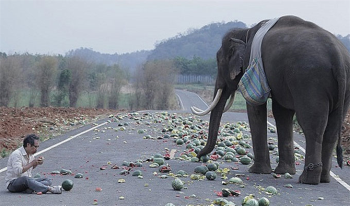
<point x="46" y="122"/>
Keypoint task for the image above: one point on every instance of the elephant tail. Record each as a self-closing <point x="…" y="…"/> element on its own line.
<point x="341" y="78"/>
<point x="340" y="155"/>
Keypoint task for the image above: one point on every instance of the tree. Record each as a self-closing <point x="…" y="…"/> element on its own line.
<point x="102" y="90"/>
<point x="63" y="86"/>
<point x="3" y="54"/>
<point x="116" y="81"/>
<point x="77" y="68"/>
<point x="196" y="66"/>
<point x="30" y="73"/>
<point x="46" y="67"/>
<point x="26" y="63"/>
<point x="136" y="99"/>
<point x="9" y="77"/>
<point x="157" y="83"/>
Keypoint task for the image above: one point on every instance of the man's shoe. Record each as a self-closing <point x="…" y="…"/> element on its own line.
<point x="56" y="190"/>
<point x="29" y="191"/>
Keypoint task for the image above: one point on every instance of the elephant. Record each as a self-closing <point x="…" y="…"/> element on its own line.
<point x="308" y="71"/>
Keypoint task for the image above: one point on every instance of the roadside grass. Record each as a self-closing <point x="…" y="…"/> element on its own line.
<point x="86" y="100"/>
<point x="4" y="153"/>
<point x="89" y="99"/>
<point x="206" y="92"/>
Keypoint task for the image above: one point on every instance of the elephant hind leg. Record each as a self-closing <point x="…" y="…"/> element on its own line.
<point x="284" y="123"/>
<point x="329" y="140"/>
<point x="313" y="121"/>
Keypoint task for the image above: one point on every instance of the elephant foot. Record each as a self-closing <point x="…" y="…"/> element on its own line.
<point x="284" y="168"/>
<point x="260" y="168"/>
<point x="311" y="174"/>
<point x="325" y="177"/>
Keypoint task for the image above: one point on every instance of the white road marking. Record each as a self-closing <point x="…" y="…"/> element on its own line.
<point x="336" y="177"/>
<point x="202" y="100"/>
<point x="64" y="141"/>
<point x="181" y="104"/>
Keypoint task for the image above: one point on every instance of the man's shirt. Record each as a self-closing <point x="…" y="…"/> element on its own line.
<point x="17" y="160"/>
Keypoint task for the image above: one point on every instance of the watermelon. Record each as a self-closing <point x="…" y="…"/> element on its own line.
<point x="201" y="169"/>
<point x="264" y="201"/>
<point x="177" y="184"/>
<point x="245" y="160"/>
<point x="79" y="175"/>
<point x="67" y="185"/>
<point x="271" y="190"/>
<point x="212" y="166"/>
<point x="211" y="175"/>
<point x="65" y="172"/>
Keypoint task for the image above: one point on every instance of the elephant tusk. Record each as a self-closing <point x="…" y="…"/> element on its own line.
<point x="228" y="106"/>
<point x="196" y="109"/>
<point x="200" y="112"/>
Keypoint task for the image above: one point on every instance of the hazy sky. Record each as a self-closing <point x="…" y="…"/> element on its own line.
<point x="121" y="26"/>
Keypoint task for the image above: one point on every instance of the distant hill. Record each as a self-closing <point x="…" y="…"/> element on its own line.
<point x="129" y="60"/>
<point x="203" y="43"/>
<point x="345" y="40"/>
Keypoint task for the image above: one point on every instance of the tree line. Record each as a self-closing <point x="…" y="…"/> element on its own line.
<point x="44" y="80"/>
<point x="61" y="81"/>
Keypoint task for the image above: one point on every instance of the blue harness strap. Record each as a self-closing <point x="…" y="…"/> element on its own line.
<point x="253" y="84"/>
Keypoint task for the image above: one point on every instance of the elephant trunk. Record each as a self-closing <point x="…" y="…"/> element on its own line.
<point x="214" y="123"/>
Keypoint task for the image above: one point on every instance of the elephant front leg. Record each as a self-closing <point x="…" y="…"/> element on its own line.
<point x="257" y="116"/>
<point x="284" y="123"/>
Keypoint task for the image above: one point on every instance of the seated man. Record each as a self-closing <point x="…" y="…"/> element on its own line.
<point x="19" y="169"/>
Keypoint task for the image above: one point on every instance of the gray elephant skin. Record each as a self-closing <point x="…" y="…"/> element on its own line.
<point x="308" y="71"/>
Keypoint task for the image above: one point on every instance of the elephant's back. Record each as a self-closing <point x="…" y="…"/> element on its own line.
<point x="294" y="21"/>
<point x="301" y="45"/>
<point x="297" y="36"/>
<point x="299" y="57"/>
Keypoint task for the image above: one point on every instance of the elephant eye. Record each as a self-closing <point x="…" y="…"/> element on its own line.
<point x="231" y="52"/>
<point x="241" y="61"/>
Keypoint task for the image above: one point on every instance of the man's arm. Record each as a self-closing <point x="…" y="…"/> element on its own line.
<point x="17" y="165"/>
<point x="33" y="164"/>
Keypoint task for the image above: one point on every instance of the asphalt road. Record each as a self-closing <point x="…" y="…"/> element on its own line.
<point x="115" y="140"/>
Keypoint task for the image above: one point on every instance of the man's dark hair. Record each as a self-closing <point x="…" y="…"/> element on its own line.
<point x="30" y="139"/>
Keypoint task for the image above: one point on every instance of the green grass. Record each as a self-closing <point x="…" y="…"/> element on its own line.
<point x="86" y="100"/>
<point x="89" y="101"/>
<point x="4" y="152"/>
<point x="195" y="87"/>
<point x="239" y="102"/>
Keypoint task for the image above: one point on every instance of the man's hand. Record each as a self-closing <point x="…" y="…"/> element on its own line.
<point x="37" y="161"/>
<point x="40" y="160"/>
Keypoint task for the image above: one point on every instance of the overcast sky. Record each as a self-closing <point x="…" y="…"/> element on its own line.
<point x="121" y="26"/>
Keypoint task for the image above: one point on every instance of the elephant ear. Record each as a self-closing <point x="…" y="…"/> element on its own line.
<point x="236" y="59"/>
